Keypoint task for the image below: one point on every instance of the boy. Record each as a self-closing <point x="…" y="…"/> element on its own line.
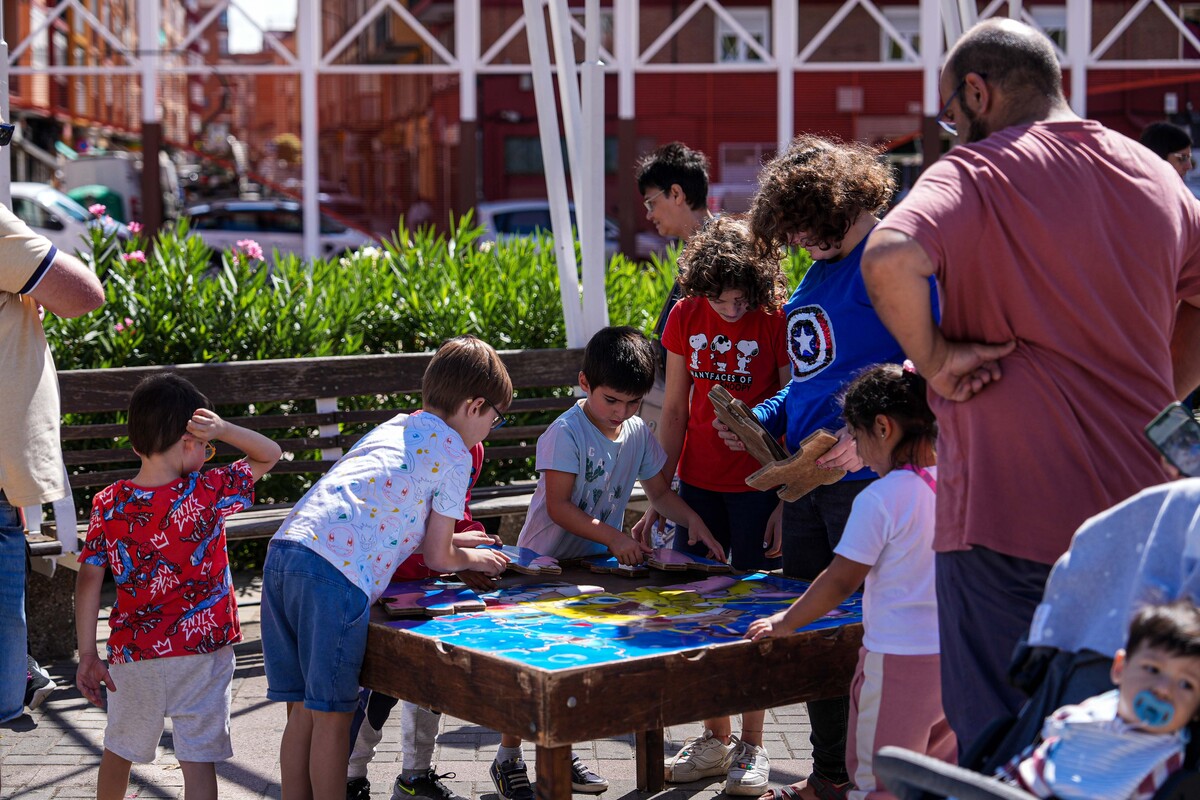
<point x="588" y="460"/>
<point x="398" y="490"/>
<point x="1124" y="743"/>
<point x="174" y="623"/>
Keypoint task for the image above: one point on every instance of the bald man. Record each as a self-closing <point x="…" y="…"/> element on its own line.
<point x="1067" y="255"/>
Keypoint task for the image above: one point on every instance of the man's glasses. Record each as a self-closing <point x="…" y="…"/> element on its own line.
<point x="6" y="133"/>
<point x="649" y="201"/>
<point x="500" y="421"/>
<point x="949" y="125"/>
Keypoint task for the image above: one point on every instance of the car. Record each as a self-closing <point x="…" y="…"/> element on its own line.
<point x="505" y="219"/>
<point x="274" y="224"/>
<point x="58" y="217"/>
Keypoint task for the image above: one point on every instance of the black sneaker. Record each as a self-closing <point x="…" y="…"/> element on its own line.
<point x="358" y="789"/>
<point x="426" y="785"/>
<point x="38" y="685"/>
<point x="511" y="779"/>
<point x="584" y="780"/>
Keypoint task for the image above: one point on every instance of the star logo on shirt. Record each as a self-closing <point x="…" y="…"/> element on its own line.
<point x="810" y="341"/>
<point x="805" y="341"/>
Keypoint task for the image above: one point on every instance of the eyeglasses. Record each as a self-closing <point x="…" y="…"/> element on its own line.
<point x="6" y="133"/>
<point x="949" y="125"/>
<point x="1183" y="157"/>
<point x="500" y="421"/>
<point x="649" y="201"/>
<point x="209" y="451"/>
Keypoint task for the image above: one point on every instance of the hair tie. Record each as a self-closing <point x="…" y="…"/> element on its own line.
<point x="908" y="366"/>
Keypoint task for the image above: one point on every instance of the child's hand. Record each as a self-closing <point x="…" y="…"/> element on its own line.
<point x="629" y="551"/>
<point x="472" y="539"/>
<point x="490" y="562"/>
<point x="773" y="537"/>
<point x="93" y="672"/>
<point x="476" y="580"/>
<point x="699" y="532"/>
<point x="767" y="627"/>
<point x="843" y="455"/>
<point x="206" y="426"/>
<point x="730" y="438"/>
<point x="643" y="529"/>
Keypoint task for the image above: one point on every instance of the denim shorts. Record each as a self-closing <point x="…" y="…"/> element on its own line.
<point x="314" y="630"/>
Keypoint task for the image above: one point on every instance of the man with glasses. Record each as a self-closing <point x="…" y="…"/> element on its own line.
<point x="1062" y="254"/>
<point x="1171" y="143"/>
<point x="34" y="275"/>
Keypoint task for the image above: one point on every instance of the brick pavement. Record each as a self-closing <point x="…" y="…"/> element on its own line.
<point x="54" y="751"/>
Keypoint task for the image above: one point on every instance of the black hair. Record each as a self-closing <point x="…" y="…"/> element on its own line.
<point x="1164" y="138"/>
<point x="159" y="411"/>
<point x="1009" y="54"/>
<point x="1174" y="627"/>
<point x="620" y="358"/>
<point x="899" y="394"/>
<point x="676" y="163"/>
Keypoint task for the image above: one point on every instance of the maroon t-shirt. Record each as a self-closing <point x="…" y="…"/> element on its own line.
<point x="1076" y="242"/>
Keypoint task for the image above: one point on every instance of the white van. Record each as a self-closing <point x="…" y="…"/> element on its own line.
<point x="122" y="173"/>
<point x="57" y="217"/>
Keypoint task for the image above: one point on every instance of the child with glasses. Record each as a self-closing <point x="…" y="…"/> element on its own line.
<point x="174" y="622"/>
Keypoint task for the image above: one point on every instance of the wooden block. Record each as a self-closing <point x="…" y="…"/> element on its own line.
<point x="738" y="417"/>
<point x="666" y="558"/>
<point x="799" y="473"/>
<point x="609" y="565"/>
<point x="429" y="598"/>
<point x="526" y="561"/>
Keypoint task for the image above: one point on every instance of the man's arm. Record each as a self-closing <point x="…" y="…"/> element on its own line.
<point x="1185" y="347"/>
<point x="896" y="271"/>
<point x="69" y="288"/>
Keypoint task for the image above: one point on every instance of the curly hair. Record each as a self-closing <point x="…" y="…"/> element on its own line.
<point x="895" y="392"/>
<point x="676" y="163"/>
<point x="819" y="187"/>
<point x="722" y="256"/>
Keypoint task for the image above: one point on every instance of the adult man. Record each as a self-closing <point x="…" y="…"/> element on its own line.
<point x="33" y="275"/>
<point x="1062" y="250"/>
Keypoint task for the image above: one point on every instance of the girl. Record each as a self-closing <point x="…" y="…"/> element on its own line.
<point x="895" y="697"/>
<point x="727" y="331"/>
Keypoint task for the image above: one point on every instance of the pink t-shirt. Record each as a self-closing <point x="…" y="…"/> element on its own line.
<point x="1076" y="242"/>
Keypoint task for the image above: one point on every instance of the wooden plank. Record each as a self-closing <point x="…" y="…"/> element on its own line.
<point x="648" y="746"/>
<point x="114" y="430"/>
<point x="96" y="390"/>
<point x="43" y="545"/>
<point x="554" y="772"/>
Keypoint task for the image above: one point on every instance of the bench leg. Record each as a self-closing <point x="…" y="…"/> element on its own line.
<point x="554" y="773"/>
<point x="649" y="749"/>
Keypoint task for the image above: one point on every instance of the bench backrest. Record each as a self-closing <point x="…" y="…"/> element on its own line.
<point x="308" y="405"/>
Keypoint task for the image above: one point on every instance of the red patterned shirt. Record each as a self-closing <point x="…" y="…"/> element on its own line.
<point x="166" y="549"/>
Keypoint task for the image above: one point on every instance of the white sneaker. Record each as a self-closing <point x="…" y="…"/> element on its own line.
<point x="750" y="772"/>
<point x="700" y="757"/>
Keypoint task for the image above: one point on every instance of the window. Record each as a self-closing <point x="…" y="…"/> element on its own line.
<point x="1053" y="21"/>
<point x="730" y="47"/>
<point x="1190" y="14"/>
<point x="907" y="22"/>
<point x="523" y="155"/>
<point x="32" y="214"/>
<point x="606" y="25"/>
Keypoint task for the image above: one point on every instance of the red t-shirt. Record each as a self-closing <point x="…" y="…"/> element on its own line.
<point x="1076" y="242"/>
<point x="745" y="358"/>
<point x="166" y="549"/>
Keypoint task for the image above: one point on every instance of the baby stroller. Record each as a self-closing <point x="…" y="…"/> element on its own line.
<point x="1146" y="549"/>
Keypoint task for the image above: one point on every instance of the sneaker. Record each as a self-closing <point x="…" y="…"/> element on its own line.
<point x="358" y="789"/>
<point x="750" y="772"/>
<point x="584" y="780"/>
<point x="701" y="757"/>
<point x="38" y="685"/>
<point x="426" y="785"/>
<point x="511" y="779"/>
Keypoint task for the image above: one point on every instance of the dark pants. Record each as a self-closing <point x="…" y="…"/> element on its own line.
<point x="812" y="527"/>
<point x="738" y="520"/>
<point x="985" y="602"/>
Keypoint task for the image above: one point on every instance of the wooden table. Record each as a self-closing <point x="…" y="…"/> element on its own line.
<point x="555" y="708"/>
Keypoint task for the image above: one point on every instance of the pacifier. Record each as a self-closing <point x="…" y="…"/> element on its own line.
<point x="1152" y="710"/>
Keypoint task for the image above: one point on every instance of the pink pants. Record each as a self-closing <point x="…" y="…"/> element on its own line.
<point x="894" y="700"/>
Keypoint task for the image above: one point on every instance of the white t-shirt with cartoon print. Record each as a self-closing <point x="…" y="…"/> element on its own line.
<point x="367" y="514"/>
<point x="604" y="471"/>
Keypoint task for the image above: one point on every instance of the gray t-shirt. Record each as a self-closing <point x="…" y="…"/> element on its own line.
<point x="604" y="473"/>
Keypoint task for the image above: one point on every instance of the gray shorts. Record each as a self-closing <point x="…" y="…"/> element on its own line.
<point x="194" y="691"/>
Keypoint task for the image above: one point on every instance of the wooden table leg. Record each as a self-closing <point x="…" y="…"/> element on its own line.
<point x="649" y="750"/>
<point x="554" y="773"/>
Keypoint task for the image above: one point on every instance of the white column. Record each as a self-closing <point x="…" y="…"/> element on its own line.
<point x="931" y="56"/>
<point x="149" y="16"/>
<point x="308" y="24"/>
<point x="568" y="87"/>
<point x="1079" y="50"/>
<point x="785" y="40"/>
<point x="625" y="37"/>
<point x="589" y="204"/>
<point x="466" y="48"/>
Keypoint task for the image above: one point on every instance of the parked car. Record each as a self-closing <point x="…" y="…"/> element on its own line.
<point x="59" y="218"/>
<point x="274" y="224"/>
<point x="505" y="219"/>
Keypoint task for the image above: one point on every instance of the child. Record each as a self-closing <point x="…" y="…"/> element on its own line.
<point x="588" y="460"/>
<point x="895" y="696"/>
<point x="1127" y="742"/>
<point x="399" y="489"/>
<point x="175" y="619"/>
<point x="727" y="331"/>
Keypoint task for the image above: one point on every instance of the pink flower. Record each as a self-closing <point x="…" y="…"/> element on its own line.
<point x="136" y="255"/>
<point x="251" y="248"/>
<point x="135" y="227"/>
<point x="98" y="209"/>
<point x="120" y="327"/>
